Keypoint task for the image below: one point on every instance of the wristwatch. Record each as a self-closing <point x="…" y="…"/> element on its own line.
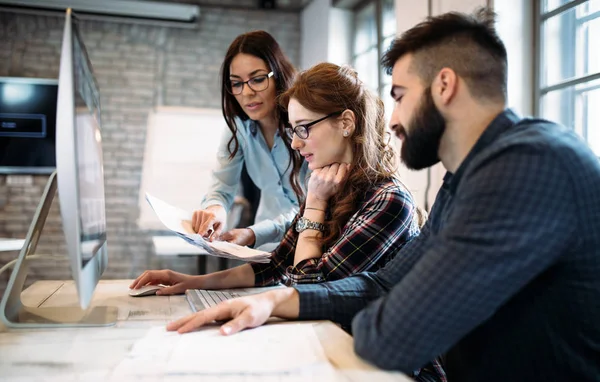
<point x="304" y="223"/>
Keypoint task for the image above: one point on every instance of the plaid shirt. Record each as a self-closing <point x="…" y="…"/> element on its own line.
<point x="504" y="278"/>
<point x="385" y="221"/>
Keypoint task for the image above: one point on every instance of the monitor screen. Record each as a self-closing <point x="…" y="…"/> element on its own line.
<point x="79" y="180"/>
<point x="88" y="149"/>
<point x="27" y="125"/>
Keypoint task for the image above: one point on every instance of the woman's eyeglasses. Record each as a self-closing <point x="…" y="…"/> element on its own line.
<point x="258" y="84"/>
<point x="302" y="130"/>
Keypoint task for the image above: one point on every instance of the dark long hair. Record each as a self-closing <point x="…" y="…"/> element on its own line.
<point x="326" y="88"/>
<point x="262" y="45"/>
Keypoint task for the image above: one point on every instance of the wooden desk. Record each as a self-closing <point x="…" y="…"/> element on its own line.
<point x="91" y="354"/>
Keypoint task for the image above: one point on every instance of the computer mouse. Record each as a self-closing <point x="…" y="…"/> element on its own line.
<point x="147" y="290"/>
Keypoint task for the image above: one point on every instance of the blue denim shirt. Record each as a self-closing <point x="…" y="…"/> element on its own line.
<point x="269" y="170"/>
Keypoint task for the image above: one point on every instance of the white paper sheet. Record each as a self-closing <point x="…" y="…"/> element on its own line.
<point x="179" y="221"/>
<point x="263" y="350"/>
<point x="172" y="217"/>
<point x="289" y="350"/>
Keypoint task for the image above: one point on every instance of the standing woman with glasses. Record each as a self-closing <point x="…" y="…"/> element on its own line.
<point x="254" y="72"/>
<point x="357" y="214"/>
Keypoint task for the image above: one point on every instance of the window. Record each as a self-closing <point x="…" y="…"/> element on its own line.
<point x="375" y="28"/>
<point x="569" y="66"/>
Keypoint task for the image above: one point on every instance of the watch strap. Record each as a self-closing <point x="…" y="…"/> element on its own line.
<point x="305" y="223"/>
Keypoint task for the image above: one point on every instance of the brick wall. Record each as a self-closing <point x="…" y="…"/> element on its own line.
<point x="137" y="67"/>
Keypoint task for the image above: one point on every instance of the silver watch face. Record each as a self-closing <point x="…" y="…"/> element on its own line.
<point x="304" y="223"/>
<point x="301" y="224"/>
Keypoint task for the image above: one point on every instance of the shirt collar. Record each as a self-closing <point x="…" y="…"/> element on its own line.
<point x="253" y="127"/>
<point x="499" y="125"/>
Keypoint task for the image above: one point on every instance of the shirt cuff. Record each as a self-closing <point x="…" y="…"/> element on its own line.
<point x="260" y="274"/>
<point x="314" y="302"/>
<point x="305" y="272"/>
<point x="264" y="232"/>
<point x="212" y="202"/>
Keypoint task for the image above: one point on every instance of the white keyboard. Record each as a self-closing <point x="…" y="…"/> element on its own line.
<point x="200" y="299"/>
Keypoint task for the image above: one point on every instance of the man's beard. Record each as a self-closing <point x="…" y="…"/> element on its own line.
<point x="420" y="146"/>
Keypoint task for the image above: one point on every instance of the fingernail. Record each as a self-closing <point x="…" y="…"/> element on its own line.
<point x="226" y="330"/>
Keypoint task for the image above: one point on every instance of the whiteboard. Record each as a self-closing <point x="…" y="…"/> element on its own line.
<point x="179" y="156"/>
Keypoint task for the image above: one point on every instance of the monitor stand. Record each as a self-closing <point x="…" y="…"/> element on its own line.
<point x="16" y="315"/>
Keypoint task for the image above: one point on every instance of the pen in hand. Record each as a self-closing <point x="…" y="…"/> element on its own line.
<point x="187" y="225"/>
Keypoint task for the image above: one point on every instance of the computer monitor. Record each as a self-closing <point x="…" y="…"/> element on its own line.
<point x="79" y="178"/>
<point x="79" y="164"/>
<point x="27" y="125"/>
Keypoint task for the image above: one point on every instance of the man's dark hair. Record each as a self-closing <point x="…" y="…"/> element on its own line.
<point x="467" y="44"/>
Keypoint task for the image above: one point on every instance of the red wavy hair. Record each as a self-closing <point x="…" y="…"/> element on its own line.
<point x="326" y="88"/>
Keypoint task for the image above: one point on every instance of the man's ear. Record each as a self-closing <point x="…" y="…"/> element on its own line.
<point x="348" y="119"/>
<point x="445" y="86"/>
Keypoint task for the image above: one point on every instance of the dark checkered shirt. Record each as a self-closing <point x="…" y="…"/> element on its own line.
<point x="504" y="279"/>
<point x="384" y="222"/>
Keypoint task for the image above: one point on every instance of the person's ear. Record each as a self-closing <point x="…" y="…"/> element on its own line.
<point x="444" y="86"/>
<point x="348" y="119"/>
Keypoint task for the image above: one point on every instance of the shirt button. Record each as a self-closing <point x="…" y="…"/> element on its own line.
<point x="279" y="183"/>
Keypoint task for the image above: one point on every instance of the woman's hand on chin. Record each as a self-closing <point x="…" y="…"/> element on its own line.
<point x="325" y="182"/>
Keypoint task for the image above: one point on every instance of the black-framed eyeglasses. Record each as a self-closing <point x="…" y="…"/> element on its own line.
<point x="257" y="83"/>
<point x="302" y="130"/>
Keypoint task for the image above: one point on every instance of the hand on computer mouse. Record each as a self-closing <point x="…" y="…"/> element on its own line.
<point x="148" y="290"/>
<point x="176" y="282"/>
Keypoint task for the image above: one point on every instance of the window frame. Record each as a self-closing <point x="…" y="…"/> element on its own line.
<point x="380" y="38"/>
<point x="576" y="85"/>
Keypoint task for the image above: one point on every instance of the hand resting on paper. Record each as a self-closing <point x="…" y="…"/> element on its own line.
<point x="243" y="313"/>
<point x="176" y="283"/>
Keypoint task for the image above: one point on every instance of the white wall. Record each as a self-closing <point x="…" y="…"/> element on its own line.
<point x="515" y="27"/>
<point x="180" y="141"/>
<point x="314" y="29"/>
<point x="341" y="28"/>
<point x="410" y="13"/>
<point x="326" y="34"/>
<point x="443" y="6"/>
